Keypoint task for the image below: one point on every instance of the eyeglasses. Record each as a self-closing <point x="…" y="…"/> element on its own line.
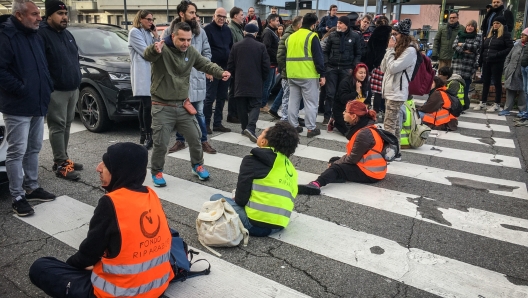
<point x="150" y="20"/>
<point x="221" y="17"/>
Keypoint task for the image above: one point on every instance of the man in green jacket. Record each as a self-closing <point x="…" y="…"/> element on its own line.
<point x="171" y="70"/>
<point x="443" y="43"/>
<point x="236" y="25"/>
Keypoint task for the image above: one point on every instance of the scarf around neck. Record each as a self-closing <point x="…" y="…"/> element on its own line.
<point x="450" y="28"/>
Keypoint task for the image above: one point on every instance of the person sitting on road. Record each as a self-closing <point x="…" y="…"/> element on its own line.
<point x="110" y="263"/>
<point x="267" y="182"/>
<point x="362" y="163"/>
<point x="455" y="83"/>
<point x="354" y="86"/>
<point x="435" y="111"/>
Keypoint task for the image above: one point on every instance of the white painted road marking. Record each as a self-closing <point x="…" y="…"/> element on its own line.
<point x="67" y="220"/>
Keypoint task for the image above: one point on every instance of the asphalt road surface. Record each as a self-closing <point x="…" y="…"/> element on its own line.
<point x="449" y="220"/>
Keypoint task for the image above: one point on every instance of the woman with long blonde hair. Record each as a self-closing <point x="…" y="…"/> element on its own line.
<point x="493" y="52"/>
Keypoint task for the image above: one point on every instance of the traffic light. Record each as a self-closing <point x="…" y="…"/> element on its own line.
<point x="446" y="16"/>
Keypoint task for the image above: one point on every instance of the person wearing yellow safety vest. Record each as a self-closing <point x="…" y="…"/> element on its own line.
<point x="406" y="122"/>
<point x="267" y="182"/>
<point x="455" y="83"/>
<point x="363" y="161"/>
<point x="435" y="111"/>
<point x="127" y="249"/>
<point x="306" y="71"/>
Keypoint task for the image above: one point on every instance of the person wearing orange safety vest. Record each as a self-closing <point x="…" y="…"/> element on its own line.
<point x="435" y="111"/>
<point x="127" y="249"/>
<point x="363" y="161"/>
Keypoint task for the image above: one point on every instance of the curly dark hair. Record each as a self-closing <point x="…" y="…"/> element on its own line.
<point x="283" y="138"/>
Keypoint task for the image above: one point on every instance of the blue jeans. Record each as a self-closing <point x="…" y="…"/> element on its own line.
<point x="24" y="138"/>
<point x="253" y="230"/>
<point x="199" y="106"/>
<point x="268" y="84"/>
<point x="216" y="91"/>
<point x="278" y="101"/>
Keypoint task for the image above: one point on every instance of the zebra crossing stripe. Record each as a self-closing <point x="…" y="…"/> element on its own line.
<point x="426" y="173"/>
<point x="471" y="220"/>
<point x="67" y="219"/>
<point x="415" y="267"/>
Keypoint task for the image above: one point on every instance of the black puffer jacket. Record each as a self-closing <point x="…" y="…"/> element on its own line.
<point x="495" y="49"/>
<point x="343" y="49"/>
<point x="271" y="41"/>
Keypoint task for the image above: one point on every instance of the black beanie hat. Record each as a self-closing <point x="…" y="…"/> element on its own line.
<point x="53" y="5"/>
<point x="500" y="19"/>
<point x="127" y="163"/>
<point x="345" y="20"/>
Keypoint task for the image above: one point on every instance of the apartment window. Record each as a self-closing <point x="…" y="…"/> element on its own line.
<point x="80" y="18"/>
<point x="88" y="19"/>
<point x="97" y="19"/>
<point x="119" y="19"/>
<point x="109" y="20"/>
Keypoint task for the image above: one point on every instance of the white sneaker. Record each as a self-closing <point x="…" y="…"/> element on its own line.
<point x="493" y="108"/>
<point x="480" y="106"/>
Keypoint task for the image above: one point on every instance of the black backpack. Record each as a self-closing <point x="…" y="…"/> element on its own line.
<point x="391" y="147"/>
<point x="456" y="107"/>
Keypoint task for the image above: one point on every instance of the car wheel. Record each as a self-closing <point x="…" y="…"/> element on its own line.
<point x="93" y="110"/>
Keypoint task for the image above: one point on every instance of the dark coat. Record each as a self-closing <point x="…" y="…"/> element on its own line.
<point x="343" y="49"/>
<point x="257" y="165"/>
<point x="62" y="56"/>
<point x="25" y="83"/>
<point x="326" y="21"/>
<point x="248" y="60"/>
<point x="271" y="40"/>
<point x="365" y="37"/>
<point x="347" y="91"/>
<point x="221" y="41"/>
<point x="495" y="49"/>
<point x="248" y="19"/>
<point x="376" y="46"/>
<point x="499" y="11"/>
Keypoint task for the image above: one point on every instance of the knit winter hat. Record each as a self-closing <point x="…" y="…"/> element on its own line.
<point x="251" y="28"/>
<point x="403" y="27"/>
<point x="345" y="20"/>
<point x="500" y="19"/>
<point x="127" y="163"/>
<point x="53" y="5"/>
<point x="525" y="31"/>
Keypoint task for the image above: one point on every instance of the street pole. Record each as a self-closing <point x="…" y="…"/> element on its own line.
<point x="525" y="21"/>
<point x="168" y="21"/>
<point x="398" y="10"/>
<point x="317" y="8"/>
<point x="126" y="18"/>
<point x="441" y="19"/>
<point x="365" y="7"/>
<point x="296" y="7"/>
<point x="514" y="8"/>
<point x="379" y="7"/>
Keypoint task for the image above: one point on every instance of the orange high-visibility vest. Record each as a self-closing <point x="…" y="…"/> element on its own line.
<point x="142" y="268"/>
<point x="373" y="164"/>
<point x="442" y="116"/>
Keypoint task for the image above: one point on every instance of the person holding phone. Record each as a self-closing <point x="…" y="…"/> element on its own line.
<point x="142" y="35"/>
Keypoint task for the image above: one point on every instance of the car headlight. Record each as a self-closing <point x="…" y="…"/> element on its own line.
<point x="119" y="76"/>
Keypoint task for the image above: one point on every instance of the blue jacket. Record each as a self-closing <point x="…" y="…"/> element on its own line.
<point x="221" y="41"/>
<point x="62" y="56"/>
<point x="326" y="21"/>
<point x="25" y="83"/>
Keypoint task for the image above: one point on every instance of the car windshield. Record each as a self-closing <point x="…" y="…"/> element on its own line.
<point x="97" y="42"/>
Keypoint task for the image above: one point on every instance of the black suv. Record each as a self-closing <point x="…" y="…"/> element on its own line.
<point x="105" y="91"/>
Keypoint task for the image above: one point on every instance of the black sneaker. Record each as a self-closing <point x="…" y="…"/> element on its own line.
<point x="66" y="171"/>
<point x="274" y="114"/>
<point x="76" y="166"/>
<point x="22" y="207"/>
<point x="299" y="129"/>
<point x="251" y="135"/>
<point x="308" y="189"/>
<point x="40" y="195"/>
<point x="313" y="133"/>
<point x="221" y="128"/>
